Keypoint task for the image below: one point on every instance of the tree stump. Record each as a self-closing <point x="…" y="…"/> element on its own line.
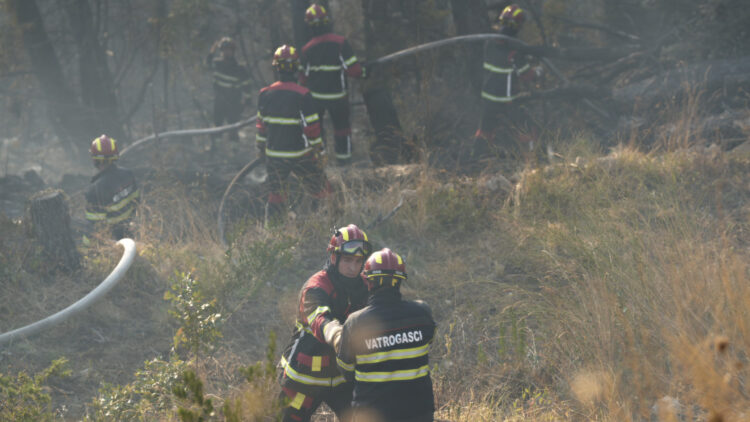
<point x="49" y="221"/>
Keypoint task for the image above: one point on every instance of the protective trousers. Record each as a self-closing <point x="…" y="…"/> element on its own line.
<point x="342" y="135"/>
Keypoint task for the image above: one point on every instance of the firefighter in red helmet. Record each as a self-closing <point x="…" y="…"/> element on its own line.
<point x="384" y="348"/>
<point x="288" y="135"/>
<point x="327" y="59"/>
<point x="111" y="199"/>
<point x="309" y="372"/>
<point x="505" y="127"/>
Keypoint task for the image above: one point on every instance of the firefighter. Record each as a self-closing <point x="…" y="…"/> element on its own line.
<point x="327" y="60"/>
<point x="384" y="348"/>
<point x="231" y="83"/>
<point x="111" y="199"/>
<point x="502" y="118"/>
<point x="288" y="135"/>
<point x="310" y="375"/>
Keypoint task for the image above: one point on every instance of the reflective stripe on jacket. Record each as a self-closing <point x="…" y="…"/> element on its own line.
<point x="326" y="62"/>
<point x="309" y="363"/>
<point x="287" y="125"/>
<point x="502" y="68"/>
<point x="384" y="350"/>
<point x="112" y="196"/>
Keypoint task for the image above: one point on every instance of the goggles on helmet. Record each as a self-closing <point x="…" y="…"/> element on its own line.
<point x="356" y="247"/>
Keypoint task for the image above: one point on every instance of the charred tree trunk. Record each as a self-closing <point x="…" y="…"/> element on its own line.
<point x="97" y="84"/>
<point x="470" y="17"/>
<point x="50" y="224"/>
<point x="390" y="145"/>
<point x="301" y="32"/>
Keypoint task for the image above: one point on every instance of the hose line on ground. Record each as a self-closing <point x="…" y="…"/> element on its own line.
<point x="112" y="279"/>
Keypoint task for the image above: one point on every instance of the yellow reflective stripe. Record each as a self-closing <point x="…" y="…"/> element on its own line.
<point x="316" y="141"/>
<point x="98" y="143"/>
<point x="282" y="120"/>
<point x="491" y="97"/>
<point x="120" y="205"/>
<point x="317" y="362"/>
<point x="326" y="68"/>
<point x="402" y="375"/>
<point x="328" y="96"/>
<point x="524" y="68"/>
<point x="318" y="311"/>
<point x="219" y="75"/>
<point x="343" y="365"/>
<point x="309" y="380"/>
<point x="225" y="84"/>
<point x="260" y="138"/>
<point x="120" y="217"/>
<point x="343" y="156"/>
<point x="302" y="327"/>
<point x="495" y="69"/>
<point x="298" y="400"/>
<point x="95" y="216"/>
<point x="351" y="61"/>
<point x="393" y="355"/>
<point x="312" y="118"/>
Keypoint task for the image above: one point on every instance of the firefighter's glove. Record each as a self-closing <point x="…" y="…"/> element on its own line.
<point x="368" y="68"/>
<point x="319" y="156"/>
<point x="538" y="71"/>
<point x="332" y="334"/>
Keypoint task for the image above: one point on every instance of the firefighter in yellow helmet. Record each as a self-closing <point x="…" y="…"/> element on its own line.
<point x="112" y="197"/>
<point x="505" y="127"/>
<point x="288" y="135"/>
<point x="327" y="60"/>
<point x="384" y="348"/>
<point x="310" y="375"/>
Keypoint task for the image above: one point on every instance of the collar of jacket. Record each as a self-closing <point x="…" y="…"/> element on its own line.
<point x="384" y="295"/>
<point x="110" y="168"/>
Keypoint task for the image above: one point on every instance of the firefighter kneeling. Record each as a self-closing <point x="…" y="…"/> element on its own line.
<point x="384" y="348"/>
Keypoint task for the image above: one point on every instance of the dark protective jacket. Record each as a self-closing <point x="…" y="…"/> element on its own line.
<point x="503" y="67"/>
<point x="309" y="362"/>
<point x="384" y="351"/>
<point x="326" y="61"/>
<point x="231" y="79"/>
<point x="112" y="196"/>
<point x="288" y="124"/>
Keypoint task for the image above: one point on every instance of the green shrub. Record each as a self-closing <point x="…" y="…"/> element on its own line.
<point x="24" y="398"/>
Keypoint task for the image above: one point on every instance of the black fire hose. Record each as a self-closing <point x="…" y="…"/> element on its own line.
<point x="242" y="173"/>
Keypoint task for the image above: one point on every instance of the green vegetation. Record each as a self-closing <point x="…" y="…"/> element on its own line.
<point x="26" y="398"/>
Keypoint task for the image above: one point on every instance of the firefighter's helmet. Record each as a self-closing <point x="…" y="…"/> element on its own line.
<point x="512" y="16"/>
<point x="385" y="268"/>
<point x="316" y="15"/>
<point x="350" y="240"/>
<point x="227" y="43"/>
<point x="286" y="59"/>
<point x="104" y="149"/>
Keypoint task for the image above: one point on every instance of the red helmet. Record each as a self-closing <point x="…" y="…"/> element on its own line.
<point x="286" y="59"/>
<point x="385" y="268"/>
<point x="512" y="16"/>
<point x="350" y="240"/>
<point x="104" y="148"/>
<point x="316" y="15"/>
